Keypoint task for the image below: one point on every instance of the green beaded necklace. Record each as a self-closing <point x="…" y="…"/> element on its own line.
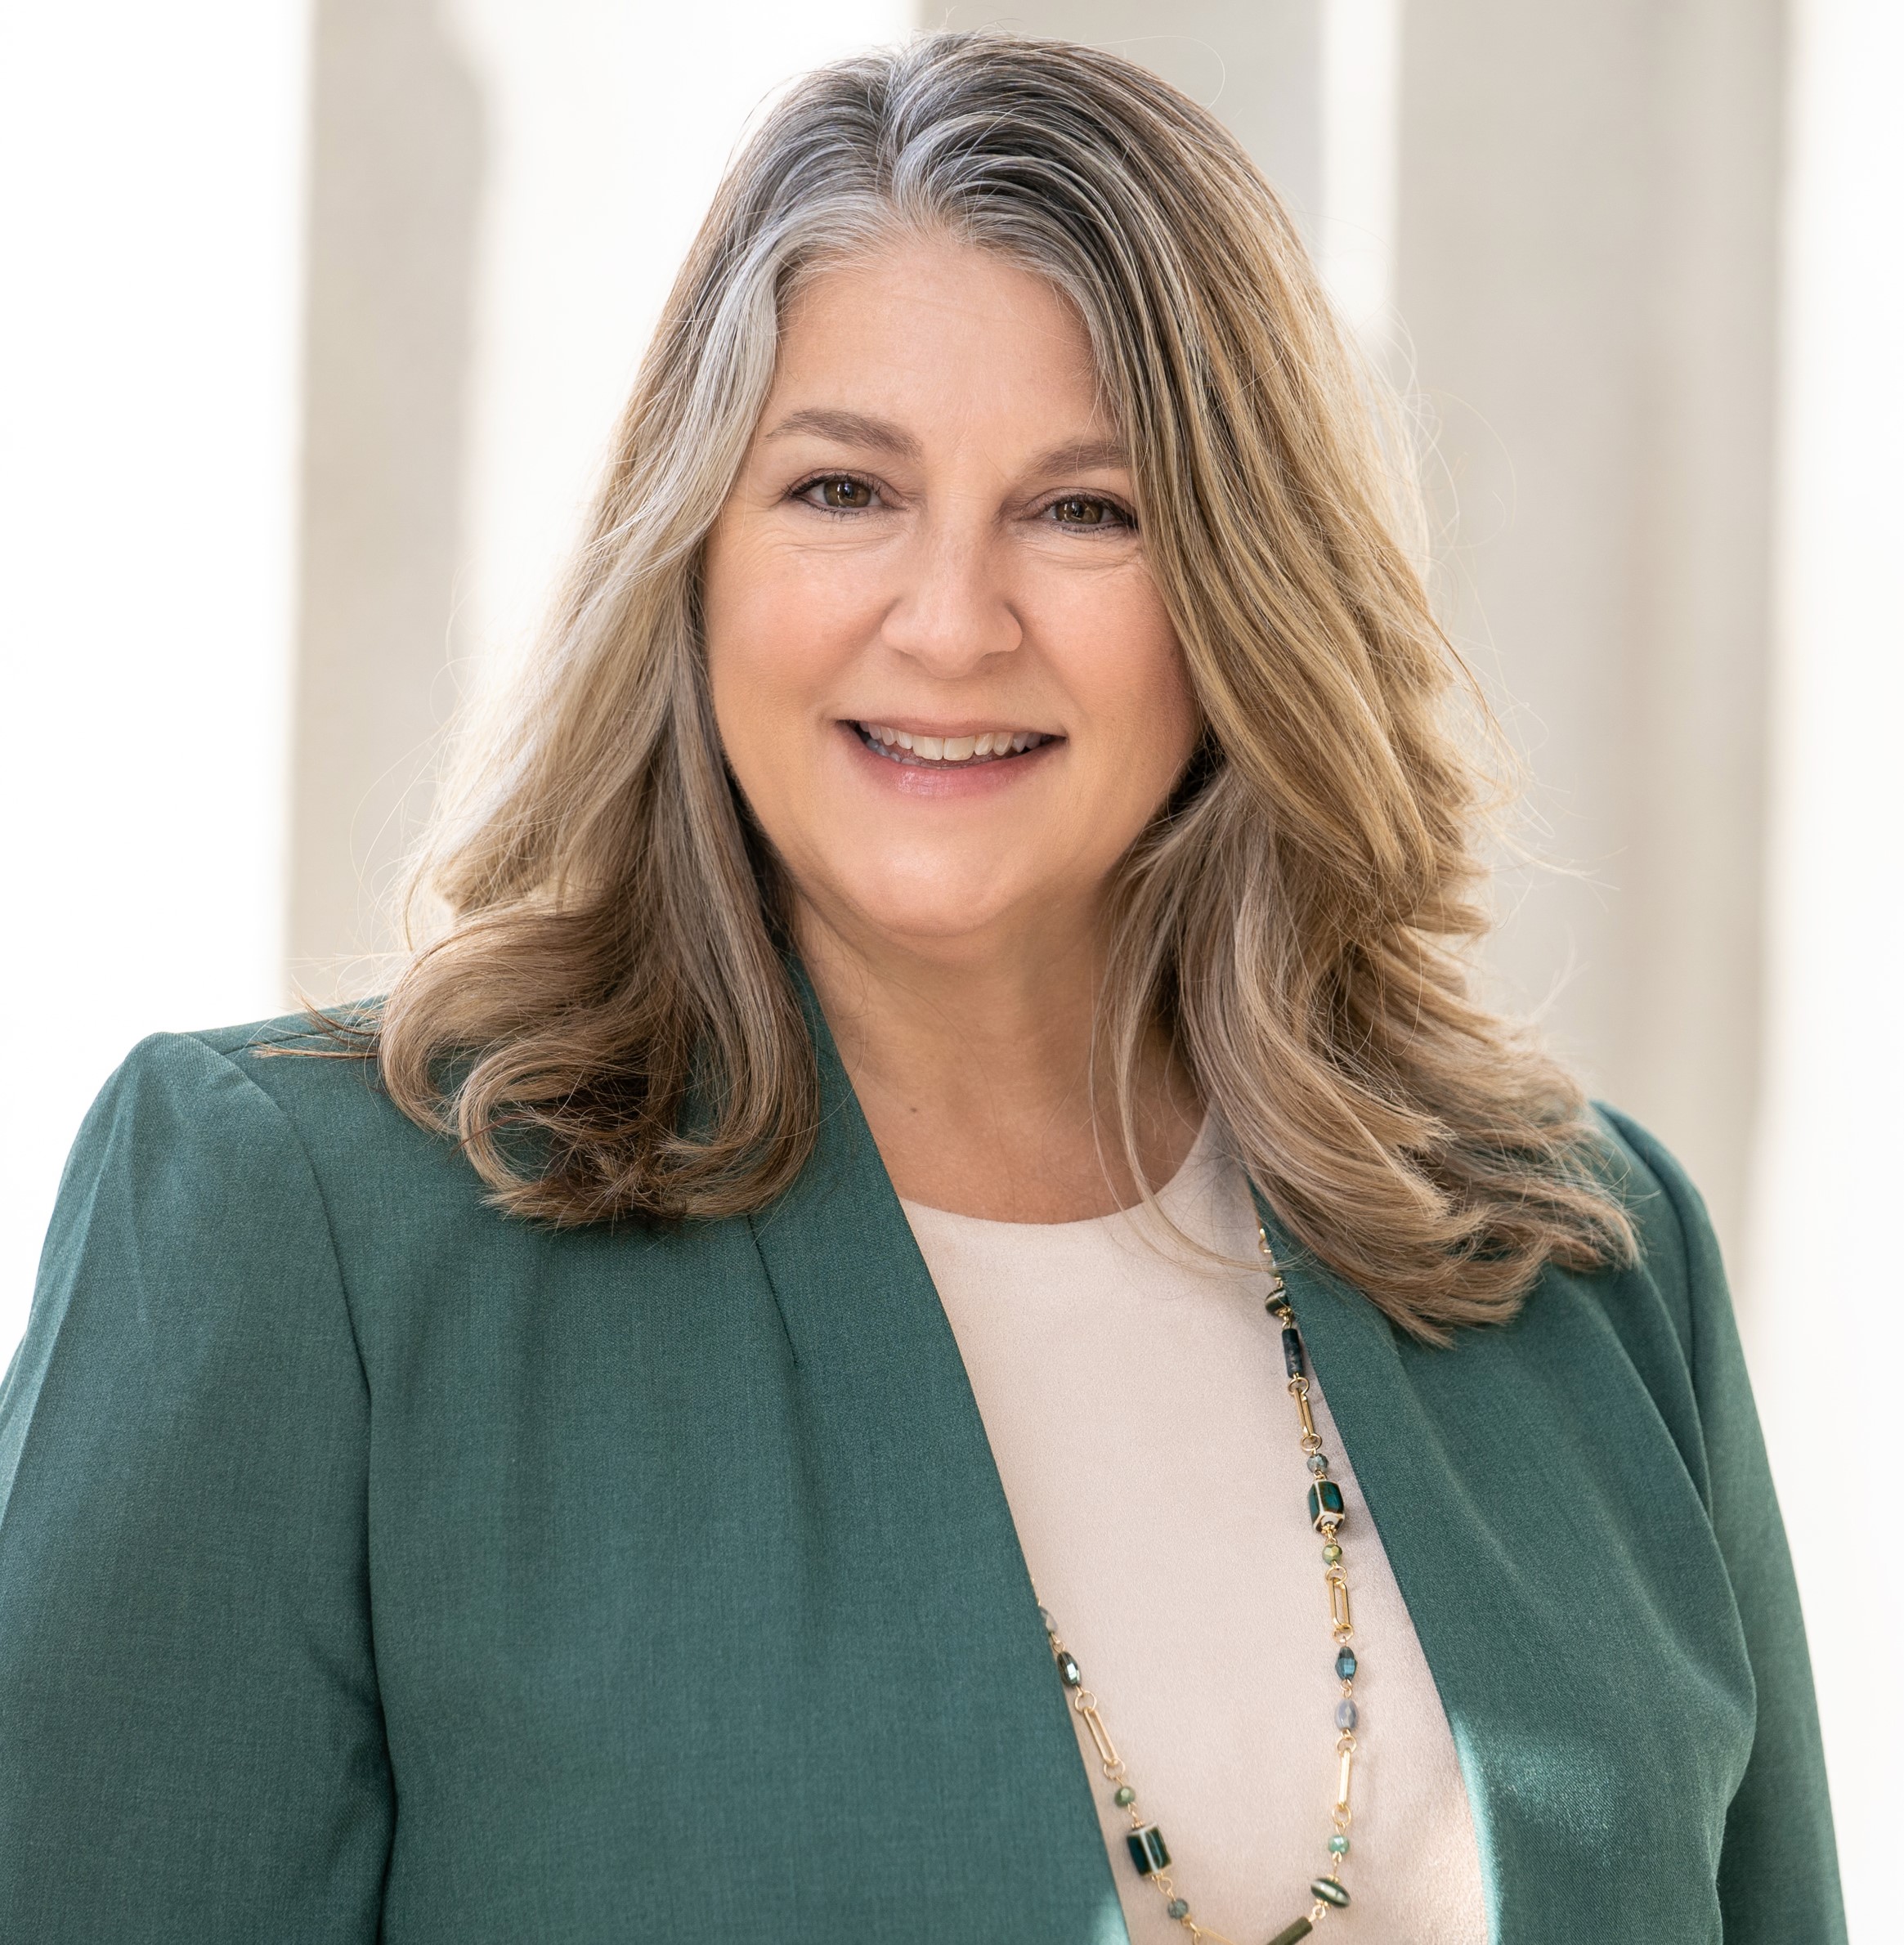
<point x="1145" y="1841"/>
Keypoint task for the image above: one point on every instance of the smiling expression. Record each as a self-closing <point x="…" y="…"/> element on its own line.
<point x="943" y="677"/>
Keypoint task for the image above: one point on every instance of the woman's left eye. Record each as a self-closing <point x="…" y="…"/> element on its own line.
<point x="1086" y="510"/>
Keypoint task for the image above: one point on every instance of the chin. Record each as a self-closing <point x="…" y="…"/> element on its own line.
<point x="929" y="927"/>
<point x="933" y="913"/>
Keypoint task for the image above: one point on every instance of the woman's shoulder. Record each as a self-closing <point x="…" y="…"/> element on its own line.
<point x="190" y="1237"/>
<point x="1677" y="1254"/>
<point x="203" y="1103"/>
<point x="316" y="1079"/>
<point x="1665" y="1316"/>
<point x="205" y="1150"/>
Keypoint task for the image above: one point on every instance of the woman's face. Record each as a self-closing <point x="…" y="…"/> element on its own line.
<point x="931" y="543"/>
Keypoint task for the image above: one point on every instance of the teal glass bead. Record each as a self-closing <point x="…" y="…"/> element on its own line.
<point x="1069" y="1672"/>
<point x="1345" y="1665"/>
<point x="1329" y="1892"/>
<point x="1177" y="1908"/>
<point x="1149" y="1852"/>
<point x="1319" y="1463"/>
<point x="1325" y="1503"/>
<point x="1331" y="1553"/>
<point x="1345" y="1714"/>
<point x="1339" y="1845"/>
<point x="1124" y="1797"/>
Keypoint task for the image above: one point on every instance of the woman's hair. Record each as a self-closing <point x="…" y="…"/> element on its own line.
<point x="610" y="1022"/>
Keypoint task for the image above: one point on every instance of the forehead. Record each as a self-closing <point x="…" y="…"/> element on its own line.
<point x="928" y="323"/>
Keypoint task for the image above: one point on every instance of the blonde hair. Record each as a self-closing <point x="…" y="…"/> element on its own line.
<point x="610" y="1023"/>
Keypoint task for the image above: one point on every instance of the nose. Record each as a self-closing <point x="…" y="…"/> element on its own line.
<point x="952" y="611"/>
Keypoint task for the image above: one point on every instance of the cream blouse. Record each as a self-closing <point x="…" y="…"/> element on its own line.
<point x="1134" y="1400"/>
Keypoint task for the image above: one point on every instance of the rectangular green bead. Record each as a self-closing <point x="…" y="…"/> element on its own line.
<point x="1326" y="1499"/>
<point x="1291" y="1933"/>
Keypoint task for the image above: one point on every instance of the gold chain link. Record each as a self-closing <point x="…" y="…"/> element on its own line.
<point x="1341" y="1629"/>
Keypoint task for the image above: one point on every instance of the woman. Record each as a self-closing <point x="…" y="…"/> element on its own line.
<point x="980" y="837"/>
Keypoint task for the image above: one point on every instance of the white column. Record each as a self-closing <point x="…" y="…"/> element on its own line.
<point x="1587" y="258"/>
<point x="150" y="206"/>
<point x="1361" y="141"/>
<point x="1826" y="1272"/>
<point x="396" y="171"/>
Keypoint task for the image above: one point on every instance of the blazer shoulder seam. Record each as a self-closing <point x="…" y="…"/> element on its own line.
<point x="228" y="1058"/>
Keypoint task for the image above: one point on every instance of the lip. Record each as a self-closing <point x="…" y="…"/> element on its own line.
<point x="935" y="780"/>
<point x="947" y="727"/>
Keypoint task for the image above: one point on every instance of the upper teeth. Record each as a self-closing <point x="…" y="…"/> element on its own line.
<point x="955" y="749"/>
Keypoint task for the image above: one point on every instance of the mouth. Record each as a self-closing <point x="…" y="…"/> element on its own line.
<point x="950" y="752"/>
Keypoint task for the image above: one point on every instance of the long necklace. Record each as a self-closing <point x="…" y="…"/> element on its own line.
<point x="1149" y="1852"/>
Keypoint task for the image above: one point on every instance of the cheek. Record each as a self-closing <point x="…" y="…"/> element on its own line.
<point x="776" y="637"/>
<point x="737" y="618"/>
<point x="1127" y="658"/>
<point x="777" y="630"/>
<point x="744" y="673"/>
<point x="760" y="648"/>
<point x="1176" y="717"/>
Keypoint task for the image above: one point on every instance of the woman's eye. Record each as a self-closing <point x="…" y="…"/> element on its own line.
<point x="1086" y="509"/>
<point x="838" y="493"/>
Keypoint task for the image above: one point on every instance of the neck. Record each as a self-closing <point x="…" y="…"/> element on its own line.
<point x="983" y="1076"/>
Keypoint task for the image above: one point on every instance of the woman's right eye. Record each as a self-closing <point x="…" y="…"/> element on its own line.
<point x="836" y="493"/>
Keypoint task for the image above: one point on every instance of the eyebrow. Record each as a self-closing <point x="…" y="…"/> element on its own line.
<point x="1083" y="455"/>
<point x="880" y="435"/>
<point x="851" y="428"/>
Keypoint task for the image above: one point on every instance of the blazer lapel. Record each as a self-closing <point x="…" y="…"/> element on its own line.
<point x="916" y="1583"/>
<point x="1587" y="1657"/>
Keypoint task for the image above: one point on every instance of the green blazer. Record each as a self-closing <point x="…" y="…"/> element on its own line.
<point x="375" y="1566"/>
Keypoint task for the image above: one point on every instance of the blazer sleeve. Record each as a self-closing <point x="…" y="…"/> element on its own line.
<point x="1778" y="1869"/>
<point x="191" y="1741"/>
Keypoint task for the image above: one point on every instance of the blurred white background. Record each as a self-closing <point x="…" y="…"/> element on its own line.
<point x="318" y="312"/>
